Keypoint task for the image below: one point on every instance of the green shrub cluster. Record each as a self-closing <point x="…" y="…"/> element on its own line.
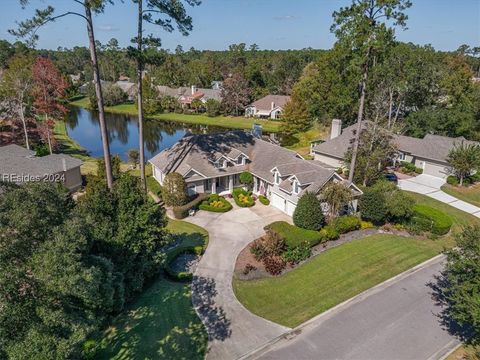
<point x="243" y="198"/>
<point x="181" y="212"/>
<point x="409" y="168"/>
<point x="215" y="203"/>
<point x="293" y="235"/>
<point x="469" y="180"/>
<point x="328" y="233"/>
<point x="173" y="254"/>
<point x="452" y="180"/>
<point x="263" y="199"/>
<point x="293" y="255"/>
<point x="426" y="218"/>
<point x="344" y="224"/>
<point x="272" y="244"/>
<point x="308" y="214"/>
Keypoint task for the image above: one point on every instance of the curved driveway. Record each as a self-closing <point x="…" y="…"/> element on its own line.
<point x="233" y="330"/>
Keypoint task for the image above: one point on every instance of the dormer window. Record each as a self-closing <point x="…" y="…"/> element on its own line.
<point x="296" y="187"/>
<point x="241" y="160"/>
<point x="277" y="177"/>
<point x="220" y="164"/>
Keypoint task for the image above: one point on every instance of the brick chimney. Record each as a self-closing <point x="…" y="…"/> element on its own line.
<point x="336" y="129"/>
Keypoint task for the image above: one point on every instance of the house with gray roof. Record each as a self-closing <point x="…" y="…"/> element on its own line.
<point x="19" y="165"/>
<point x="270" y="106"/>
<point x="429" y="153"/>
<point x="212" y="163"/>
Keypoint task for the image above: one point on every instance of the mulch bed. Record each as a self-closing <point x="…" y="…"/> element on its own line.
<point x="246" y="257"/>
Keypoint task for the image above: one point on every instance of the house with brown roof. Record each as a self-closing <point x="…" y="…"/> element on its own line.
<point x="429" y="153"/>
<point x="270" y="106"/>
<point x="185" y="95"/>
<point x="19" y="165"/>
<point x="212" y="163"/>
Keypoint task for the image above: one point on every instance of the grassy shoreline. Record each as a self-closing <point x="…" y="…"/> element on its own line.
<point x="220" y="121"/>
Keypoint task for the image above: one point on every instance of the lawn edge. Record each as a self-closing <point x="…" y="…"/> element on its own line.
<point x="255" y="353"/>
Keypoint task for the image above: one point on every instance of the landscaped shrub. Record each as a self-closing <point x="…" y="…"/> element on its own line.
<point x="372" y="206"/>
<point x="246" y="178"/>
<point x="452" y="180"/>
<point x="272" y="244"/>
<point x="263" y="199"/>
<point x="215" y="203"/>
<point x="308" y="214"/>
<point x="475" y="177"/>
<point x="181" y="212"/>
<point x="440" y="223"/>
<point x="174" y="190"/>
<point x="344" y="224"/>
<point x="243" y="198"/>
<point x="293" y="235"/>
<point x="296" y="254"/>
<point x="407" y="166"/>
<point x="173" y="254"/>
<point x="274" y="264"/>
<point x="418" y="170"/>
<point x="366" y="225"/>
<point x="328" y="233"/>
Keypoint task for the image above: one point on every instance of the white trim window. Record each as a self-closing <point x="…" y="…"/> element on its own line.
<point x="401" y="156"/>
<point x="277" y="178"/>
<point x="296" y="187"/>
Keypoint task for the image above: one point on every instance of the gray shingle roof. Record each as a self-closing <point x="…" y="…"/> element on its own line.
<point x="265" y="103"/>
<point x="17" y="160"/>
<point x="195" y="151"/>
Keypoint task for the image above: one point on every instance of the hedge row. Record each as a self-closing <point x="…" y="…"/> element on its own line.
<point x="173" y="254"/>
<point x="208" y="205"/>
<point x="239" y="194"/>
<point x="181" y="212"/>
<point x="431" y="219"/>
<point x="345" y="224"/>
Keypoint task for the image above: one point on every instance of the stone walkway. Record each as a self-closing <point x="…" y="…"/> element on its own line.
<point x="430" y="186"/>
<point x="233" y="330"/>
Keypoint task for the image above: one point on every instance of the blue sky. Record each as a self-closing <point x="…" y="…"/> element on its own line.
<point x="272" y="24"/>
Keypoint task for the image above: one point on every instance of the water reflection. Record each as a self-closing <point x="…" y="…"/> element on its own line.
<point x="84" y="128"/>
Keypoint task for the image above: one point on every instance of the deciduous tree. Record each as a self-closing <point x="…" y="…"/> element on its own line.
<point x="464" y="158"/>
<point x="235" y="94"/>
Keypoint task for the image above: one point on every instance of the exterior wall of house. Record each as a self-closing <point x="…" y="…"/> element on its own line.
<point x="158" y="174"/>
<point x="276" y="114"/>
<point x="329" y="160"/>
<point x="196" y="187"/>
<point x="250" y="111"/>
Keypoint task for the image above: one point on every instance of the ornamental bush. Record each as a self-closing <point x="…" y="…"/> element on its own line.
<point x="293" y="235"/>
<point x="215" y="203"/>
<point x="297" y="254"/>
<point x="452" y="180"/>
<point x="328" y="233"/>
<point x="181" y="212"/>
<point x="272" y="244"/>
<point x="274" y="265"/>
<point x="246" y="178"/>
<point x="263" y="199"/>
<point x="174" y="190"/>
<point x="439" y="222"/>
<point x="243" y="198"/>
<point x="308" y="213"/>
<point x="344" y="224"/>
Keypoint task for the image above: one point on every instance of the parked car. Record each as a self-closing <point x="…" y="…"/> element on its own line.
<point x="391" y="177"/>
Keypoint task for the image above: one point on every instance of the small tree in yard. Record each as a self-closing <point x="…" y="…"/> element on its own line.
<point x="246" y="178"/>
<point x="336" y="196"/>
<point x="308" y="213"/>
<point x="133" y="156"/>
<point x="213" y="107"/>
<point x="464" y="159"/>
<point x="174" y="190"/>
<point x="461" y="284"/>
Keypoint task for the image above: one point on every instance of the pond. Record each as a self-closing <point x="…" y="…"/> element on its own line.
<point x="84" y="128"/>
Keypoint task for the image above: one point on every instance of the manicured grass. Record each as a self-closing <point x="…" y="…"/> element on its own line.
<point x="333" y="277"/>
<point x="161" y="323"/>
<point x="343" y="272"/>
<point x="464" y="352"/>
<point x="468" y="194"/>
<point x="302" y="145"/>
<point x="221" y="121"/>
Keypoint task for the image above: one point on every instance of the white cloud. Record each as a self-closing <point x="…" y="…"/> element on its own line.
<point x="286" y="17"/>
<point x="107" y="28"/>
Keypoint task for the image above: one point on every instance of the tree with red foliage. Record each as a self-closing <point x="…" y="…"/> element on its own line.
<point x="49" y="88"/>
<point x="235" y="94"/>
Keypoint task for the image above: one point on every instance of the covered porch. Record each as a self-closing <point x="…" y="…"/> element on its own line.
<point x="222" y="185"/>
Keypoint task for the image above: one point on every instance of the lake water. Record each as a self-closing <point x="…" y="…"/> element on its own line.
<point x="84" y="128"/>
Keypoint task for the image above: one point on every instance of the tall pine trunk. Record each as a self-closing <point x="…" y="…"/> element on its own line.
<point x="24" y="123"/>
<point x="359" y="117"/>
<point x="98" y="92"/>
<point x="140" y="95"/>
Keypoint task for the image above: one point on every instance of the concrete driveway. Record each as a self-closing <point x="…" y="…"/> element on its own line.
<point x="233" y="330"/>
<point x="430" y="186"/>
<point x="398" y="319"/>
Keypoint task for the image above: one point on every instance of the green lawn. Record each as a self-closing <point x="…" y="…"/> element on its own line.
<point x="222" y="121"/>
<point x="470" y="194"/>
<point x="342" y="272"/>
<point x="161" y="323"/>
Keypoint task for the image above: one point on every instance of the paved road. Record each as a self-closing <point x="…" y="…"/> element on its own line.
<point x="395" y="321"/>
<point x="430" y="186"/>
<point x="233" y="330"/>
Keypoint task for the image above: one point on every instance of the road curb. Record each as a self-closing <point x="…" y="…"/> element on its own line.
<point x="255" y="353"/>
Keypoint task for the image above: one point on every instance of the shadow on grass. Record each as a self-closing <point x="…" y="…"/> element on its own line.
<point x="439" y="287"/>
<point x="213" y="316"/>
<point x="161" y="324"/>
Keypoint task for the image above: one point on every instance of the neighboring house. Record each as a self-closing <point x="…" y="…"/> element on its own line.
<point x="185" y="95"/>
<point x="75" y="78"/>
<point x="429" y="153"/>
<point x="129" y="88"/>
<point x="212" y="163"/>
<point x="20" y="165"/>
<point x="270" y="106"/>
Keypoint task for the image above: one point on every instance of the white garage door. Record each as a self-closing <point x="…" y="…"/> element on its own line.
<point x="278" y="202"/>
<point x="290" y="208"/>
<point x="435" y="170"/>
